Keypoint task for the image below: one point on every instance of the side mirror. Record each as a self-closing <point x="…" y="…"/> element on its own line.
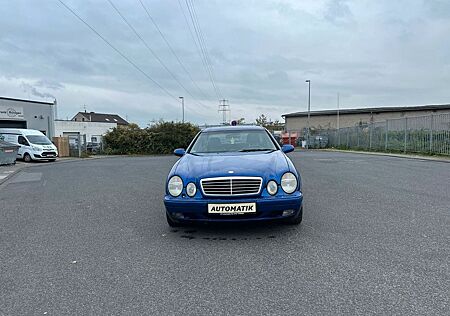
<point x="287" y="148"/>
<point x="179" y="152"/>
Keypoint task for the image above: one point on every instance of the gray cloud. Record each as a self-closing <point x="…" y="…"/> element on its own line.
<point x="438" y="8"/>
<point x="28" y="88"/>
<point x="374" y="53"/>
<point x="338" y="11"/>
<point x="45" y="83"/>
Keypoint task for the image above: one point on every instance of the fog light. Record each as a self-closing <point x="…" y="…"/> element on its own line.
<point x="177" y="215"/>
<point x="287" y="213"/>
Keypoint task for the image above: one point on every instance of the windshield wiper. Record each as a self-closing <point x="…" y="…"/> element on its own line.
<point x="257" y="149"/>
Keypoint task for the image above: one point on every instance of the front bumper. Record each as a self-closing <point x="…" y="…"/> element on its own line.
<point x="45" y="155"/>
<point x="185" y="209"/>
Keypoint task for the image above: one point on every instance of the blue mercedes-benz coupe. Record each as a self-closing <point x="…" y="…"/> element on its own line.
<point x="233" y="174"/>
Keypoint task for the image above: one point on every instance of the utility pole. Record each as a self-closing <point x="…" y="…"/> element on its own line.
<point x="182" y="107"/>
<point x="309" y="111"/>
<point x="55" y="106"/>
<point x="337" y="123"/>
<point x="224" y="107"/>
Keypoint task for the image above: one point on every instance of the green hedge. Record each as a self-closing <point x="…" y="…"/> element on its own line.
<point x="160" y="138"/>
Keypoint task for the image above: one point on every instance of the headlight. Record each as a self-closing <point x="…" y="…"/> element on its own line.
<point x="272" y="187"/>
<point x="288" y="182"/>
<point x="175" y="186"/>
<point x="191" y="189"/>
<point x="36" y="148"/>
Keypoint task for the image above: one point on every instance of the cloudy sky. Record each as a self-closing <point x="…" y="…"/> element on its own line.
<point x="373" y="53"/>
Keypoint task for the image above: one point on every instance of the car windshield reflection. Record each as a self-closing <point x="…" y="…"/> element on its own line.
<point x="233" y="141"/>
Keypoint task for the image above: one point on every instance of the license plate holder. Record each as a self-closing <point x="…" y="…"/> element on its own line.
<point x="232" y="208"/>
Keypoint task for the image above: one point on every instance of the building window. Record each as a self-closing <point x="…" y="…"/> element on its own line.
<point x="82" y="119"/>
<point x="93" y="139"/>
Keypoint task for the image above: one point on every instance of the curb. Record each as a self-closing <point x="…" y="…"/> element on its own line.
<point x="389" y="155"/>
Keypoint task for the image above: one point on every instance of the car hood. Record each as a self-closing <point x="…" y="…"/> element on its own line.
<point x="263" y="164"/>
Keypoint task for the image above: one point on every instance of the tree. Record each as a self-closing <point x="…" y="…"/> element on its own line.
<point x="261" y="120"/>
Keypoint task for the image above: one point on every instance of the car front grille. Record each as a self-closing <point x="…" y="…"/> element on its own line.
<point x="48" y="154"/>
<point x="230" y="186"/>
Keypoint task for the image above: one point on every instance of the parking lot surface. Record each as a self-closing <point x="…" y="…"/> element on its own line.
<point x="90" y="237"/>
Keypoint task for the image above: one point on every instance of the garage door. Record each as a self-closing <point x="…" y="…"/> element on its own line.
<point x="13" y="124"/>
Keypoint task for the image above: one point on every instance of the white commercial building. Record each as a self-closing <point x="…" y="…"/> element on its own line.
<point x="94" y="131"/>
<point x="19" y="113"/>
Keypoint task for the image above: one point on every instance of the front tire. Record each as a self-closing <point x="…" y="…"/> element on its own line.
<point x="172" y="223"/>
<point x="26" y="157"/>
<point x="297" y="219"/>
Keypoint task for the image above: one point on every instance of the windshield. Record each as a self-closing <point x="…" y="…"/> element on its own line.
<point x="233" y="141"/>
<point x="39" y="140"/>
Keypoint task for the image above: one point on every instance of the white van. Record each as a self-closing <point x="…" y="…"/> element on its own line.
<point x="33" y="144"/>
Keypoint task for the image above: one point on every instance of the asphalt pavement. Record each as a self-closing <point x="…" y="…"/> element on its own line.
<point x="90" y="237"/>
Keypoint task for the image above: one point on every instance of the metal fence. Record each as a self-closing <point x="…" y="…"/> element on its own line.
<point x="423" y="134"/>
<point x="79" y="146"/>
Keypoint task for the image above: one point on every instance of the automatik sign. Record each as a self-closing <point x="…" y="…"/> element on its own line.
<point x="11" y="112"/>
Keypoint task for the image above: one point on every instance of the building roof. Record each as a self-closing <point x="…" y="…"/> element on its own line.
<point x="24" y="100"/>
<point x="233" y="128"/>
<point x="432" y="107"/>
<point x="102" y="117"/>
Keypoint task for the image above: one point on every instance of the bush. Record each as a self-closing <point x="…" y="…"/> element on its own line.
<point x="160" y="138"/>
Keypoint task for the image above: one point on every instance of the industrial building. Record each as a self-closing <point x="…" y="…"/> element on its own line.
<point x="328" y="119"/>
<point x="20" y="113"/>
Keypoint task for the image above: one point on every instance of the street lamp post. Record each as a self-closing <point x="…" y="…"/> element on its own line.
<point x="182" y="107"/>
<point x="309" y="111"/>
<point x="337" y="123"/>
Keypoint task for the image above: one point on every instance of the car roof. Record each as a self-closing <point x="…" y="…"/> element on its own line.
<point x="20" y="131"/>
<point x="233" y="128"/>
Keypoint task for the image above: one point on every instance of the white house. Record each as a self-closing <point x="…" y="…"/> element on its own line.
<point x="91" y="126"/>
<point x="94" y="131"/>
